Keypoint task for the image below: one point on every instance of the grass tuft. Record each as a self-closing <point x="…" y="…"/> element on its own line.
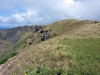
<point x="59" y="56"/>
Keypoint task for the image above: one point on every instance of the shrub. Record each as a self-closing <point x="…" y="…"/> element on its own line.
<point x="59" y="56"/>
<point x="44" y="71"/>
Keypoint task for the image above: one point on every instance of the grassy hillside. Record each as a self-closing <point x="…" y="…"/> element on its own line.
<point x="86" y="54"/>
<point x="73" y="51"/>
<point x="6" y="48"/>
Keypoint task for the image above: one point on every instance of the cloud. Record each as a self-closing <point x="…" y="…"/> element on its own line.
<point x="48" y="11"/>
<point x="22" y="17"/>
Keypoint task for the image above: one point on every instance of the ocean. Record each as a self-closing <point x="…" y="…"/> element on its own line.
<point x="4" y="28"/>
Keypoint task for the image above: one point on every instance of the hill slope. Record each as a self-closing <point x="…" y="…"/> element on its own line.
<point x="74" y="50"/>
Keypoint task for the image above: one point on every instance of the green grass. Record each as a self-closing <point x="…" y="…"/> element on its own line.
<point x="11" y="53"/>
<point x="43" y="71"/>
<point x="8" y="52"/>
<point x="3" y="38"/>
<point x="87" y="56"/>
<point x="7" y="56"/>
<point x="19" y="44"/>
<point x="12" y="50"/>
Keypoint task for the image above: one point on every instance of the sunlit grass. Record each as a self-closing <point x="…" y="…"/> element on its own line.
<point x="87" y="56"/>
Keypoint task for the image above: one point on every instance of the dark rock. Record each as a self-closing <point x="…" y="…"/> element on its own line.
<point x="46" y="31"/>
<point x="59" y="73"/>
<point x="95" y="21"/>
<point x="37" y="28"/>
<point x="30" y="43"/>
<point x="42" y="31"/>
<point x="50" y="29"/>
<point x="45" y="36"/>
<point x="25" y="42"/>
<point x="38" y="71"/>
<point x="55" y="34"/>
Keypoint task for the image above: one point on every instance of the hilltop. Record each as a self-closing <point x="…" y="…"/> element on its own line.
<point x="66" y="47"/>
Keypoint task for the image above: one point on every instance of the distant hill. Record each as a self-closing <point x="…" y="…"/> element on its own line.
<point x="66" y="47"/>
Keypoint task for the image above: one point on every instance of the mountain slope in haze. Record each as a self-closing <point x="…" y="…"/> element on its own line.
<point x="73" y="49"/>
<point x="14" y="39"/>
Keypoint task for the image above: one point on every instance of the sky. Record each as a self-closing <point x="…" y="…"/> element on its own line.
<point x="39" y="12"/>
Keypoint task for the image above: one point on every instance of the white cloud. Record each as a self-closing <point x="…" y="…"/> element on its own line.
<point x="47" y="11"/>
<point x="17" y="17"/>
<point x="28" y="17"/>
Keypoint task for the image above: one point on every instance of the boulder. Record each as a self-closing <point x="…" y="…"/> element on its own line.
<point x="45" y="36"/>
<point x="95" y="21"/>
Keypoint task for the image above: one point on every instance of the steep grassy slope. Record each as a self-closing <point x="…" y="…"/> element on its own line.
<point x="74" y="51"/>
<point x="5" y="46"/>
<point x="6" y="49"/>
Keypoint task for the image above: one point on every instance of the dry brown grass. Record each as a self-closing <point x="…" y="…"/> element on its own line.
<point x="59" y="56"/>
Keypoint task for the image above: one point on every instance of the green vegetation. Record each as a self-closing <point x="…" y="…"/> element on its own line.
<point x="12" y="51"/>
<point x="19" y="44"/>
<point x="84" y="54"/>
<point x="6" y="49"/>
<point x="7" y="56"/>
<point x="3" y="38"/>
<point x="44" y="71"/>
<point x="87" y="56"/>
